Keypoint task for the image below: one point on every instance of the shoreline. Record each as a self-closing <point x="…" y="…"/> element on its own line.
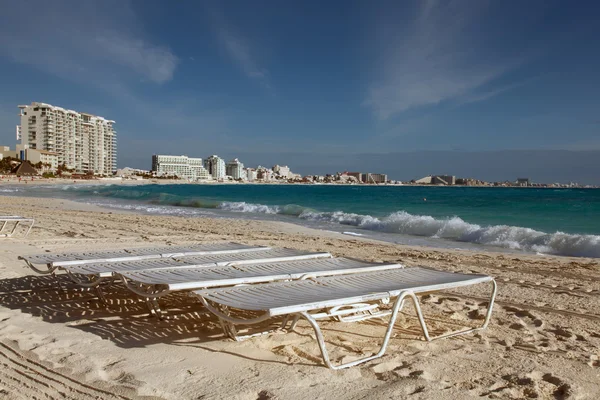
<point x="108" y="181"/>
<point x="544" y="337"/>
<point x="505" y="237"/>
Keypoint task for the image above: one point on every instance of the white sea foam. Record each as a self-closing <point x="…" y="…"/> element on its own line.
<point x="241" y="206"/>
<point x="452" y="228"/>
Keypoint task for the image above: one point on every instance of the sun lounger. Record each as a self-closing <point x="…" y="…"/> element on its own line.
<point x="110" y="269"/>
<point x="52" y="261"/>
<point x="15" y="221"/>
<point x="159" y="282"/>
<point x="152" y="284"/>
<point x="320" y="297"/>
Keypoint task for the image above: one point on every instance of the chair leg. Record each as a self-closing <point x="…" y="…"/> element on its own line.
<point x="29" y="230"/>
<point x="14" y="229"/>
<point x="321" y="341"/>
<point x="486" y="321"/>
<point x="101" y="296"/>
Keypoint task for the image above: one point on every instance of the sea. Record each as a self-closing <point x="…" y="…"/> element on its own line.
<point x="544" y="221"/>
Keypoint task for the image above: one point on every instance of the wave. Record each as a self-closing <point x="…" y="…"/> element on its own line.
<point x="401" y="222"/>
<point x="453" y="228"/>
<point x="241" y="206"/>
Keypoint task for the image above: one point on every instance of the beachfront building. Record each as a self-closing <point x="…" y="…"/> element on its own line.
<point x="357" y="175"/>
<point x="374" y="178"/>
<point x="235" y="169"/>
<point x="215" y="166"/>
<point x="437" y="180"/>
<point x="251" y="174"/>
<point x="181" y="166"/>
<point x="282" y="171"/>
<point x="523" y="182"/>
<point x="82" y="141"/>
<point x="6" y="152"/>
<point x="49" y="159"/>
<point x="264" y="174"/>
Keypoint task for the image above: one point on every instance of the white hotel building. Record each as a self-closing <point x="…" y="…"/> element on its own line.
<point x="181" y="166"/>
<point x="215" y="166"/>
<point x="84" y="142"/>
<point x="235" y="169"/>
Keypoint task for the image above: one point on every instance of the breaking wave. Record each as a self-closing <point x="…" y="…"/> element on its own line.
<point x="157" y="200"/>
<point x="452" y="228"/>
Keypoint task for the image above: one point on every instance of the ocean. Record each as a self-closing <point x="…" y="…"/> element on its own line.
<point x="545" y="220"/>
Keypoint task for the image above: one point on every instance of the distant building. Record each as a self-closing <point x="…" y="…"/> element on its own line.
<point x="180" y="166"/>
<point x="215" y="166"/>
<point x="374" y="178"/>
<point x="49" y="159"/>
<point x="523" y="182"/>
<point x="235" y="169"/>
<point x="82" y="141"/>
<point x="251" y="174"/>
<point x="437" y="180"/>
<point x="128" y="172"/>
<point x="6" y="152"/>
<point x="282" y="171"/>
<point x="444" y="180"/>
<point x="426" y="180"/>
<point x="357" y="175"/>
<point x="264" y="174"/>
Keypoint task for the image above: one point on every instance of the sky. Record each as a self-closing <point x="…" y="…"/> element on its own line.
<point x="320" y="85"/>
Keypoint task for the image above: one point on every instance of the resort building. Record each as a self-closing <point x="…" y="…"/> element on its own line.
<point x="251" y="174"/>
<point x="215" y="166"/>
<point x="282" y="171"/>
<point x="357" y="175"/>
<point x="6" y="152"/>
<point x="523" y="182"/>
<point x="264" y="174"/>
<point x="49" y="159"/>
<point x="180" y="166"/>
<point x="235" y="169"/>
<point x="437" y="180"/>
<point x="84" y="142"/>
<point x="374" y="178"/>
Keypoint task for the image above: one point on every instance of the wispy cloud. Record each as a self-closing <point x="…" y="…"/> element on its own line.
<point x="474" y="97"/>
<point x="82" y="41"/>
<point x="240" y="52"/>
<point x="434" y="59"/>
<point x="238" y="48"/>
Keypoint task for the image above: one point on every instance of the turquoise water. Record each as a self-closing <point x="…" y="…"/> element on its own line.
<point x="554" y="221"/>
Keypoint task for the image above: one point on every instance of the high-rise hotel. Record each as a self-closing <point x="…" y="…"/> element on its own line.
<point x="84" y="142"/>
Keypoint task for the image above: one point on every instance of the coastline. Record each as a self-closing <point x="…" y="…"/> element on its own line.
<point x="543" y="338"/>
<point x="8" y="180"/>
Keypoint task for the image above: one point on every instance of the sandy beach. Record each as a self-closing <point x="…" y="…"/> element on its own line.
<point x="543" y="340"/>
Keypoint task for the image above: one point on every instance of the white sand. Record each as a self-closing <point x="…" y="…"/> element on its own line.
<point x="543" y="340"/>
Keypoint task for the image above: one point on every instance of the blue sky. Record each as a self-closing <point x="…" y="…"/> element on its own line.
<point x="261" y="79"/>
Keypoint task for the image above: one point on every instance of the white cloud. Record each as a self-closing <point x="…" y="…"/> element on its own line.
<point x="238" y="48"/>
<point x="240" y="52"/>
<point x="82" y="41"/>
<point x="432" y="59"/>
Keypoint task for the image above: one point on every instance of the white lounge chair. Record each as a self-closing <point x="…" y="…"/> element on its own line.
<point x="323" y="297"/>
<point x="208" y="259"/>
<point x="52" y="261"/>
<point x="152" y="284"/>
<point x="159" y="282"/>
<point x="90" y="269"/>
<point x="15" y="221"/>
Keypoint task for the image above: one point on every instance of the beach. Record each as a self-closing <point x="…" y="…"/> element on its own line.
<point x="543" y="340"/>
